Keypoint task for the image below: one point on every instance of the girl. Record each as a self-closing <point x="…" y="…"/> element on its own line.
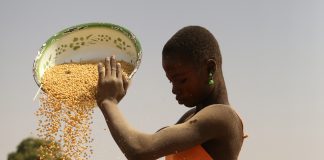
<point x="211" y="129"/>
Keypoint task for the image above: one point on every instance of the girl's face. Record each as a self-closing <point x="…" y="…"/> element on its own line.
<point x="189" y="81"/>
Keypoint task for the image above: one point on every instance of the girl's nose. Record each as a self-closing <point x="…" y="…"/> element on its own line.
<point x="175" y="90"/>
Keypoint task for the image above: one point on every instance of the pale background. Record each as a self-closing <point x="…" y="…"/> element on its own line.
<point x="273" y="54"/>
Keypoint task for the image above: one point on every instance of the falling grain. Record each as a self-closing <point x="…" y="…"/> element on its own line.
<point x="66" y="108"/>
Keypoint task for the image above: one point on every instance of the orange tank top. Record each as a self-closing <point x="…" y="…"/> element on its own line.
<point x="195" y="153"/>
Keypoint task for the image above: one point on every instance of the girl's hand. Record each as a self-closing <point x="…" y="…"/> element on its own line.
<point x="112" y="83"/>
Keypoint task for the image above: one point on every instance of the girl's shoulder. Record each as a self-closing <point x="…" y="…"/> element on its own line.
<point x="220" y="113"/>
<point x="227" y="115"/>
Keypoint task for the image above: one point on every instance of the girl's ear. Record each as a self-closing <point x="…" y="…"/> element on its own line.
<point x="211" y="66"/>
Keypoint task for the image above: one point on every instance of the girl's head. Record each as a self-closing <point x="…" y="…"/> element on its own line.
<point x="192" y="62"/>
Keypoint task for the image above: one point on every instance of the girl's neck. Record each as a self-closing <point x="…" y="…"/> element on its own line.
<point x="217" y="96"/>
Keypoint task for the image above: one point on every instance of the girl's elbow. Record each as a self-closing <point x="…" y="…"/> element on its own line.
<point x="141" y="150"/>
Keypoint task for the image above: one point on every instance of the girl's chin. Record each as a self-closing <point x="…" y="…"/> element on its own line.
<point x="185" y="103"/>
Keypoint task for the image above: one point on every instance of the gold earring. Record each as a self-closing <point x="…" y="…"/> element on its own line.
<point x="211" y="80"/>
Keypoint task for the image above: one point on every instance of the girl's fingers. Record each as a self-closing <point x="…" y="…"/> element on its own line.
<point x="119" y="71"/>
<point x="113" y="66"/>
<point x="101" y="72"/>
<point x="126" y="81"/>
<point x="108" y="67"/>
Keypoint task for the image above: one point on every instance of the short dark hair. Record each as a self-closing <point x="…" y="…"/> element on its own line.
<point x="196" y="42"/>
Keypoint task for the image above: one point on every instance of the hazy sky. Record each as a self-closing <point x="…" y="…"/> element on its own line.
<point x="273" y="57"/>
